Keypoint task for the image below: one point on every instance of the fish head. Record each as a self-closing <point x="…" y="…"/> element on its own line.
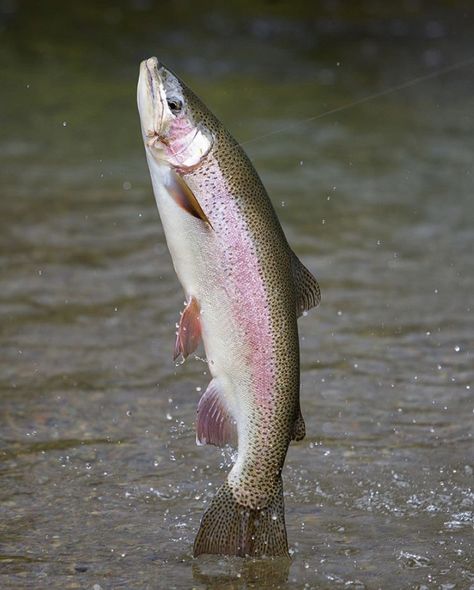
<point x="172" y="118"/>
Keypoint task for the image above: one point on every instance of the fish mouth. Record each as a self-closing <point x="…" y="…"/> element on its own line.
<point x="178" y="141"/>
<point x="151" y="99"/>
<point x="151" y="65"/>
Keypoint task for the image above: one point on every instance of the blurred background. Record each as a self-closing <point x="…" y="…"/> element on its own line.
<point x="101" y="483"/>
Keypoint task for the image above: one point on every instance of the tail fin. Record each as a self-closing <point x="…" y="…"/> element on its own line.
<point x="228" y="528"/>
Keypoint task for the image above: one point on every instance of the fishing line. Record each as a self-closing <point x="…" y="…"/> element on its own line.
<point x="402" y="86"/>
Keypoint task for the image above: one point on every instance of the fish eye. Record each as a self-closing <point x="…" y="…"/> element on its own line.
<point x="175" y="105"/>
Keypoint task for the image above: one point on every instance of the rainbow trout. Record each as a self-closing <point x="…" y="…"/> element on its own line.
<point x="245" y="289"/>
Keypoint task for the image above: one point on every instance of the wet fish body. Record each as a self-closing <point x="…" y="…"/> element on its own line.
<point x="244" y="290"/>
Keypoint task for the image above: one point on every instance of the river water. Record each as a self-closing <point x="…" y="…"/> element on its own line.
<point x="101" y="483"/>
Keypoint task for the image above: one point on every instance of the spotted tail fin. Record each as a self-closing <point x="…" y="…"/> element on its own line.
<point x="228" y="528"/>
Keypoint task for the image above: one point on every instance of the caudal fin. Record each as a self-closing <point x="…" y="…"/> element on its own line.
<point x="228" y="528"/>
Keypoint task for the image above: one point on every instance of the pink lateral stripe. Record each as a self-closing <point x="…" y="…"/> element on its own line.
<point x="245" y="288"/>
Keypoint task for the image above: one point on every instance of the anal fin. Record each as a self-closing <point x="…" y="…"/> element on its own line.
<point x="214" y="424"/>
<point x="189" y="330"/>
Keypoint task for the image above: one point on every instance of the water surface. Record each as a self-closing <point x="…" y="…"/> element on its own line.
<point x="101" y="483"/>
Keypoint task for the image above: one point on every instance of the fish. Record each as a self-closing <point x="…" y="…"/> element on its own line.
<point x="244" y="290"/>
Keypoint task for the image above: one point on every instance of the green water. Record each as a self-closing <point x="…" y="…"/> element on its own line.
<point x="101" y="484"/>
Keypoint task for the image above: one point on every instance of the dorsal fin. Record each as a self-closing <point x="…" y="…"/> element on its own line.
<point x="308" y="294"/>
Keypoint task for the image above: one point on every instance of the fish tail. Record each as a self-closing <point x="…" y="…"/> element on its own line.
<point x="229" y="528"/>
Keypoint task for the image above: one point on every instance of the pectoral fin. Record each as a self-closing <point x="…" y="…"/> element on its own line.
<point x="184" y="197"/>
<point x="308" y="294"/>
<point x="189" y="330"/>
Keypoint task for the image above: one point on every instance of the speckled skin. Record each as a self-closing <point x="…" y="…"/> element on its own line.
<point x="249" y="305"/>
<point x="279" y="410"/>
<point x="272" y="419"/>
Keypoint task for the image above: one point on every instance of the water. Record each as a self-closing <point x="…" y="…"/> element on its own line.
<point x="101" y="484"/>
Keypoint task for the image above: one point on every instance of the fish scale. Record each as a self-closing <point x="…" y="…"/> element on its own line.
<point x="245" y="289"/>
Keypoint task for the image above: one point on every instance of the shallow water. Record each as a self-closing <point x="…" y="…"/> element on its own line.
<point x="101" y="483"/>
